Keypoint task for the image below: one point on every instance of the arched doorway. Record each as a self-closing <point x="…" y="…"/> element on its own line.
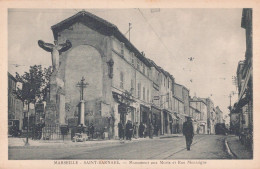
<point x="83" y="60"/>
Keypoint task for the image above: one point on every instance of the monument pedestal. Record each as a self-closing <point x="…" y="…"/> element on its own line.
<point x="82" y="113"/>
<point x="55" y="108"/>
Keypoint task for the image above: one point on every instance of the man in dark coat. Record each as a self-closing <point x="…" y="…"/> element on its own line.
<point x="151" y="130"/>
<point x="141" y="130"/>
<point x="129" y="129"/>
<point x="188" y="132"/>
<point x="120" y="131"/>
<point x="91" y="130"/>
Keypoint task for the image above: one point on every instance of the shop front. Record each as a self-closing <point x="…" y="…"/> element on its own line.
<point x="179" y="122"/>
<point x="172" y="123"/>
<point x="125" y="111"/>
<point x="202" y="127"/>
<point x="156" y="120"/>
<point x="145" y="115"/>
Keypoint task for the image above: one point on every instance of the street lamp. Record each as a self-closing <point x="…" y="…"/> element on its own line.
<point x="27" y="136"/>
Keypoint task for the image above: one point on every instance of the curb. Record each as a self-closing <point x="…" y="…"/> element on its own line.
<point x="64" y="145"/>
<point x="58" y="146"/>
<point x="170" y="136"/>
<point x="230" y="153"/>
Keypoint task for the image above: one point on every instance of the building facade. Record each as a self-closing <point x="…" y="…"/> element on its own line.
<point x="243" y="108"/>
<point x="211" y="115"/>
<point x="201" y="108"/>
<point x="219" y="115"/>
<point x="15" y="106"/>
<point x="122" y="83"/>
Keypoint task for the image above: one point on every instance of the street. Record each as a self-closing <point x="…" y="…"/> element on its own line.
<point x="203" y="147"/>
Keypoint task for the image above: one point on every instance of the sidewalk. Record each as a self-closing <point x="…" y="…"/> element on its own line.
<point x="14" y="142"/>
<point x="170" y="136"/>
<point x="238" y="149"/>
<point x="20" y="143"/>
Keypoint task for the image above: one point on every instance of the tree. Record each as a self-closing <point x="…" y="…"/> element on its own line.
<point x="35" y="84"/>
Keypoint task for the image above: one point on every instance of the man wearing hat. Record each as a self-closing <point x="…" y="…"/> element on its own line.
<point x="188" y="132"/>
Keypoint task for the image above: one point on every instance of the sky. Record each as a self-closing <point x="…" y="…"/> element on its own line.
<point x="213" y="37"/>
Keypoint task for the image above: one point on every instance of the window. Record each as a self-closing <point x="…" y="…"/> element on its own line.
<point x="143" y="93"/>
<point x="164" y="81"/>
<point x="138" y="64"/>
<point x="148" y="96"/>
<point x="121" y="80"/>
<point x="139" y="90"/>
<point x="133" y="59"/>
<point x="122" y="48"/>
<point x="132" y="86"/>
<point x="168" y="83"/>
<point x="144" y="69"/>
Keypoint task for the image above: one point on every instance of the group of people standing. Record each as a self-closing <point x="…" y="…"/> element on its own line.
<point x="127" y="132"/>
<point x="133" y="130"/>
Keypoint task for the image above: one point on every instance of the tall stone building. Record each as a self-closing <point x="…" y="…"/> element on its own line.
<point x="122" y="83"/>
<point x="219" y="115"/>
<point x="243" y="108"/>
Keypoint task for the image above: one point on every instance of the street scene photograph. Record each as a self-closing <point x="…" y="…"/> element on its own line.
<point x="130" y="84"/>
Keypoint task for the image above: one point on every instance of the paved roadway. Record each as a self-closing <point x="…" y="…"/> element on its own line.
<point x="203" y="147"/>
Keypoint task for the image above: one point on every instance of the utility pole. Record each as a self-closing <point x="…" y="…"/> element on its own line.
<point x="27" y="136"/>
<point x="129" y="30"/>
<point x="230" y="96"/>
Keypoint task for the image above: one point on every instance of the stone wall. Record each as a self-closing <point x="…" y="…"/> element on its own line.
<point x="87" y="57"/>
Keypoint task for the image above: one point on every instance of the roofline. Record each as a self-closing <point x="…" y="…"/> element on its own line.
<point x="176" y="97"/>
<point x="12" y="77"/>
<point x="197" y="101"/>
<point x="178" y="84"/>
<point x="153" y="64"/>
<point x="115" y="31"/>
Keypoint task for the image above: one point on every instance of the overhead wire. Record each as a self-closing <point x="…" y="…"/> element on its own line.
<point x="171" y="54"/>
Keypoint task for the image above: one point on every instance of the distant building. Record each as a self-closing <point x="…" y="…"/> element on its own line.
<point x="211" y="115"/>
<point x="219" y="115"/>
<point x="201" y="121"/>
<point x="15" y="106"/>
<point x="181" y="104"/>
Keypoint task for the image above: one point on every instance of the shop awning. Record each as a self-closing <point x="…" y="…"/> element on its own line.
<point x="173" y="116"/>
<point x="248" y="75"/>
<point x="155" y="110"/>
<point x="242" y="102"/>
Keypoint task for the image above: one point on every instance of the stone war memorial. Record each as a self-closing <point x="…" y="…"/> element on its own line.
<point x="80" y="56"/>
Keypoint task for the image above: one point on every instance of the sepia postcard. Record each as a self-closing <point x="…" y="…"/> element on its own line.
<point x="114" y="84"/>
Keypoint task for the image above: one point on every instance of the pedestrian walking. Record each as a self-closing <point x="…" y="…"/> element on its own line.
<point x="91" y="130"/>
<point x="188" y="132"/>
